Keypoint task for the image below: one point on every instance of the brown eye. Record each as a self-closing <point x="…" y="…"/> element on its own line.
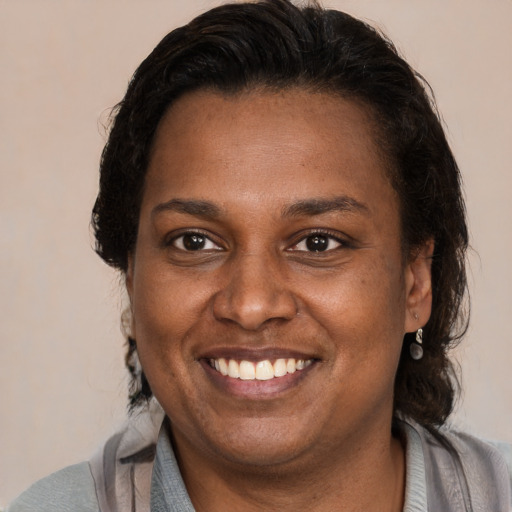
<point x="317" y="242"/>
<point x="194" y="242"/>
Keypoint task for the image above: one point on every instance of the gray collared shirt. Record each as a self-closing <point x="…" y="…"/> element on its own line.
<point x="446" y="472"/>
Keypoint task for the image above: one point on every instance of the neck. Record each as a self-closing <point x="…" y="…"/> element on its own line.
<point x="361" y="475"/>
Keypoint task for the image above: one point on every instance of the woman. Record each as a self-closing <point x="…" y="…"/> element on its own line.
<point x="280" y="196"/>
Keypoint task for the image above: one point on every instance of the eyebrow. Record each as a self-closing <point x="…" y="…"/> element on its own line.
<point x="306" y="207"/>
<point x="194" y="207"/>
<point x="311" y="207"/>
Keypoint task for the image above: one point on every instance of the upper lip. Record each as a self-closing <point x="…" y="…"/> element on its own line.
<point x="255" y="354"/>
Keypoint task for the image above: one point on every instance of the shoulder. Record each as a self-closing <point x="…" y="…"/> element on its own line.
<point x="505" y="449"/>
<point x="71" y="488"/>
<point x="478" y="456"/>
<point x="475" y="472"/>
<point x="122" y="467"/>
<point x="118" y="476"/>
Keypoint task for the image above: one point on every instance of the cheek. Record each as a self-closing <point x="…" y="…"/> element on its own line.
<point x="166" y="305"/>
<point x="169" y="311"/>
<point x="362" y="311"/>
<point x="160" y="325"/>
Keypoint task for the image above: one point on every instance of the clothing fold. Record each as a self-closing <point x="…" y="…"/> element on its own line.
<point x="136" y="470"/>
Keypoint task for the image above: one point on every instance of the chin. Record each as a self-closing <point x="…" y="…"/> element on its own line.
<point x="254" y="443"/>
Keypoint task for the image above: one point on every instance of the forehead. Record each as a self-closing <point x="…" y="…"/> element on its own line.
<point x="282" y="144"/>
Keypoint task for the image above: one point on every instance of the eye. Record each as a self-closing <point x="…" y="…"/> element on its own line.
<point x="194" y="241"/>
<point x="317" y="242"/>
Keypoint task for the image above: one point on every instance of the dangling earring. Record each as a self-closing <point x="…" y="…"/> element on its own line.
<point x="415" y="348"/>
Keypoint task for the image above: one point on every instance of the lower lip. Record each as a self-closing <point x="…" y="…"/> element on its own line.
<point x="256" y="389"/>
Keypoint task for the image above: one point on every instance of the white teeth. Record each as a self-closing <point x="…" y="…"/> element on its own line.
<point x="247" y="371"/>
<point x="233" y="369"/>
<point x="223" y="366"/>
<point x="262" y="370"/>
<point x="280" y="368"/>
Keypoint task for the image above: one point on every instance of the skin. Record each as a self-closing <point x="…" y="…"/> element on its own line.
<point x="257" y="174"/>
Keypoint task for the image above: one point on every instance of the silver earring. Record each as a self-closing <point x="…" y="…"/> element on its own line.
<point x="415" y="348"/>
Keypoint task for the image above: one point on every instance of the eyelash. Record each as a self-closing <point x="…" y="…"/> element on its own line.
<point x="331" y="237"/>
<point x="173" y="241"/>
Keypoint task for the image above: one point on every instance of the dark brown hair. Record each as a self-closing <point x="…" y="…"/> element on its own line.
<point x="276" y="45"/>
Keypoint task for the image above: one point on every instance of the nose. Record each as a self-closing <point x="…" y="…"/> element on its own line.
<point x="254" y="293"/>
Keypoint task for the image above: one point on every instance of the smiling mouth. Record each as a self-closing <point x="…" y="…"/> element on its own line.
<point x="260" y="370"/>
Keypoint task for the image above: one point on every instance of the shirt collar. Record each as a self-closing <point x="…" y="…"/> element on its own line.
<point x="169" y="494"/>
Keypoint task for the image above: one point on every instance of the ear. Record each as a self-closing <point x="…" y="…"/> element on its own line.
<point x="129" y="277"/>
<point x="418" y="287"/>
<point x="129" y="290"/>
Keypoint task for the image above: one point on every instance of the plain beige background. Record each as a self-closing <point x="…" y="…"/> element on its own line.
<point x="62" y="65"/>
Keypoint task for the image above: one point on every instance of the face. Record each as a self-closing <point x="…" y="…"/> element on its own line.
<point x="269" y="292"/>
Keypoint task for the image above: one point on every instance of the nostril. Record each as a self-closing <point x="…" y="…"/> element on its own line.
<point x="251" y="307"/>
